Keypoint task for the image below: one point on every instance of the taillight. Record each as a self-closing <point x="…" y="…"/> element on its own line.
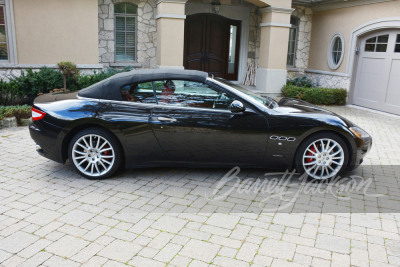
<point x="37" y="114"/>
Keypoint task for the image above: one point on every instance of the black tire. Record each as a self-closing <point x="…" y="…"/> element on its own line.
<point x="115" y="149"/>
<point x="301" y="151"/>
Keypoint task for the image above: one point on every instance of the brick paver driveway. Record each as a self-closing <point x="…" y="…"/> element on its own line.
<point x="50" y="216"/>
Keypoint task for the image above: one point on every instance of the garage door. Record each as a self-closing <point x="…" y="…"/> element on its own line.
<point x="378" y="73"/>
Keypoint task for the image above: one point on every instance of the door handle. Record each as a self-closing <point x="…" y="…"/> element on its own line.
<point x="166" y="119"/>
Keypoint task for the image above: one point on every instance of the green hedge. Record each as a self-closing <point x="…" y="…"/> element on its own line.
<point x="316" y="95"/>
<point x="23" y="89"/>
<point x="20" y="112"/>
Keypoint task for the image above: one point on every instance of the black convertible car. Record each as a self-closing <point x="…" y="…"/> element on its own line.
<point x="163" y="117"/>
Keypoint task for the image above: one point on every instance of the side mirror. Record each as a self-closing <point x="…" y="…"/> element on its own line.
<point x="237" y="107"/>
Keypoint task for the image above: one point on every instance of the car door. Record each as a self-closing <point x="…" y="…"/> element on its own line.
<point x="193" y="124"/>
<point x="130" y="117"/>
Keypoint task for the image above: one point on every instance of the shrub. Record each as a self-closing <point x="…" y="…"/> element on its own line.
<point x="316" y="95"/>
<point x="302" y="81"/>
<point x="9" y="93"/>
<point x="68" y="70"/>
<point x="31" y="83"/>
<point x="20" y="112"/>
<point x="27" y="86"/>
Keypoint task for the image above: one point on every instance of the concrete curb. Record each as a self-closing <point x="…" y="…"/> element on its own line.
<point x="8" y="123"/>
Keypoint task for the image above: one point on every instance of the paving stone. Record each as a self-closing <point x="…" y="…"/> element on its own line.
<point x="13" y="261"/>
<point x="87" y="253"/>
<point x="67" y="246"/>
<point x="247" y="252"/>
<point x="277" y="249"/>
<point x="228" y="262"/>
<point x="145" y="262"/>
<point x="120" y="251"/>
<point x="93" y="198"/>
<point x="223" y="220"/>
<point x="339" y="260"/>
<point x="17" y="242"/>
<point x="333" y="243"/>
<point x="76" y="217"/>
<point x="169" y="224"/>
<point x="168" y="252"/>
<point x="200" y="250"/>
<point x="292" y="220"/>
<point x="35" y="198"/>
<point x="4" y="255"/>
<point x="359" y="257"/>
<point x="282" y="263"/>
<point x="37" y="260"/>
<point x="34" y="248"/>
<point x="43" y="217"/>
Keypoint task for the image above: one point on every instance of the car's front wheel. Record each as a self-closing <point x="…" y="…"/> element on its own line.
<point x="322" y="156"/>
<point x="95" y="153"/>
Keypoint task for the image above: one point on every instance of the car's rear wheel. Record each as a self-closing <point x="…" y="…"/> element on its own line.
<point x="322" y="156"/>
<point x="95" y="153"/>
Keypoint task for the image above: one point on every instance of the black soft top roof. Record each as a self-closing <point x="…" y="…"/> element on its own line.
<point x="110" y="88"/>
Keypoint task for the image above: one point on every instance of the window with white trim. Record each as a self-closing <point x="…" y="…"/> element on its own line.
<point x="397" y="47"/>
<point x="8" y="51"/>
<point x="292" y="47"/>
<point x="336" y="51"/>
<point x="3" y="35"/>
<point x="125" y="32"/>
<point x="377" y="43"/>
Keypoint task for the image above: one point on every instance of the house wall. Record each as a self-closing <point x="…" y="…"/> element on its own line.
<point x="51" y="31"/>
<point x="146" y="35"/>
<point x="303" y="36"/>
<point x="344" y="20"/>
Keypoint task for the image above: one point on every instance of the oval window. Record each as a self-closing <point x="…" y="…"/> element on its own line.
<point x="336" y="51"/>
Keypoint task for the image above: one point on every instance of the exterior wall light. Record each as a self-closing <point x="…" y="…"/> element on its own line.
<point x="216" y="6"/>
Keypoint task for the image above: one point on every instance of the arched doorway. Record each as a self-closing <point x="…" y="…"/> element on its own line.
<point x="212" y="44"/>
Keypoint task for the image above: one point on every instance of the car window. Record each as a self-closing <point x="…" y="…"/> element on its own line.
<point x="191" y="94"/>
<point x="140" y="93"/>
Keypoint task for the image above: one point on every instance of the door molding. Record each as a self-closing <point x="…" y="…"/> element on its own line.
<point x="241" y="13"/>
<point x="355" y="38"/>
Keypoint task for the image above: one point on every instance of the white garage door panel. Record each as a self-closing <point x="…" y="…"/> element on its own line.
<point x="371" y="76"/>
<point x="393" y="93"/>
<point x="377" y="83"/>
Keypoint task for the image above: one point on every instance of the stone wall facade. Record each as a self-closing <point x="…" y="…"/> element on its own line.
<point x="324" y="80"/>
<point x="303" y="36"/>
<point x="8" y="71"/>
<point x="146" y="33"/>
<point x="304" y="14"/>
<point x="254" y="35"/>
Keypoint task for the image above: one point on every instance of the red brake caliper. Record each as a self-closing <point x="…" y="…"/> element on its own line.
<point x="309" y="160"/>
<point x="108" y="152"/>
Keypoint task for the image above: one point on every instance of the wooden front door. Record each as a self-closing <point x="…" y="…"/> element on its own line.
<point x="212" y="45"/>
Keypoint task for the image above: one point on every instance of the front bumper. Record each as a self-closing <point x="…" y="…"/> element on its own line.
<point x="364" y="146"/>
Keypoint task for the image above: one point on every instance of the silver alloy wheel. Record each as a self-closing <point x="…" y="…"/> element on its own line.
<point x="323" y="159"/>
<point x="93" y="155"/>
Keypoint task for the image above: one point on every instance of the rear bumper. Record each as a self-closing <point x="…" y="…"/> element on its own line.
<point x="47" y="144"/>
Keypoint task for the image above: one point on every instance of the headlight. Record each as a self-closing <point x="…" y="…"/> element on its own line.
<point x="360" y="133"/>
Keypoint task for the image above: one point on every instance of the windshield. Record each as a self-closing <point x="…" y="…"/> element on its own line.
<point x="264" y="100"/>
